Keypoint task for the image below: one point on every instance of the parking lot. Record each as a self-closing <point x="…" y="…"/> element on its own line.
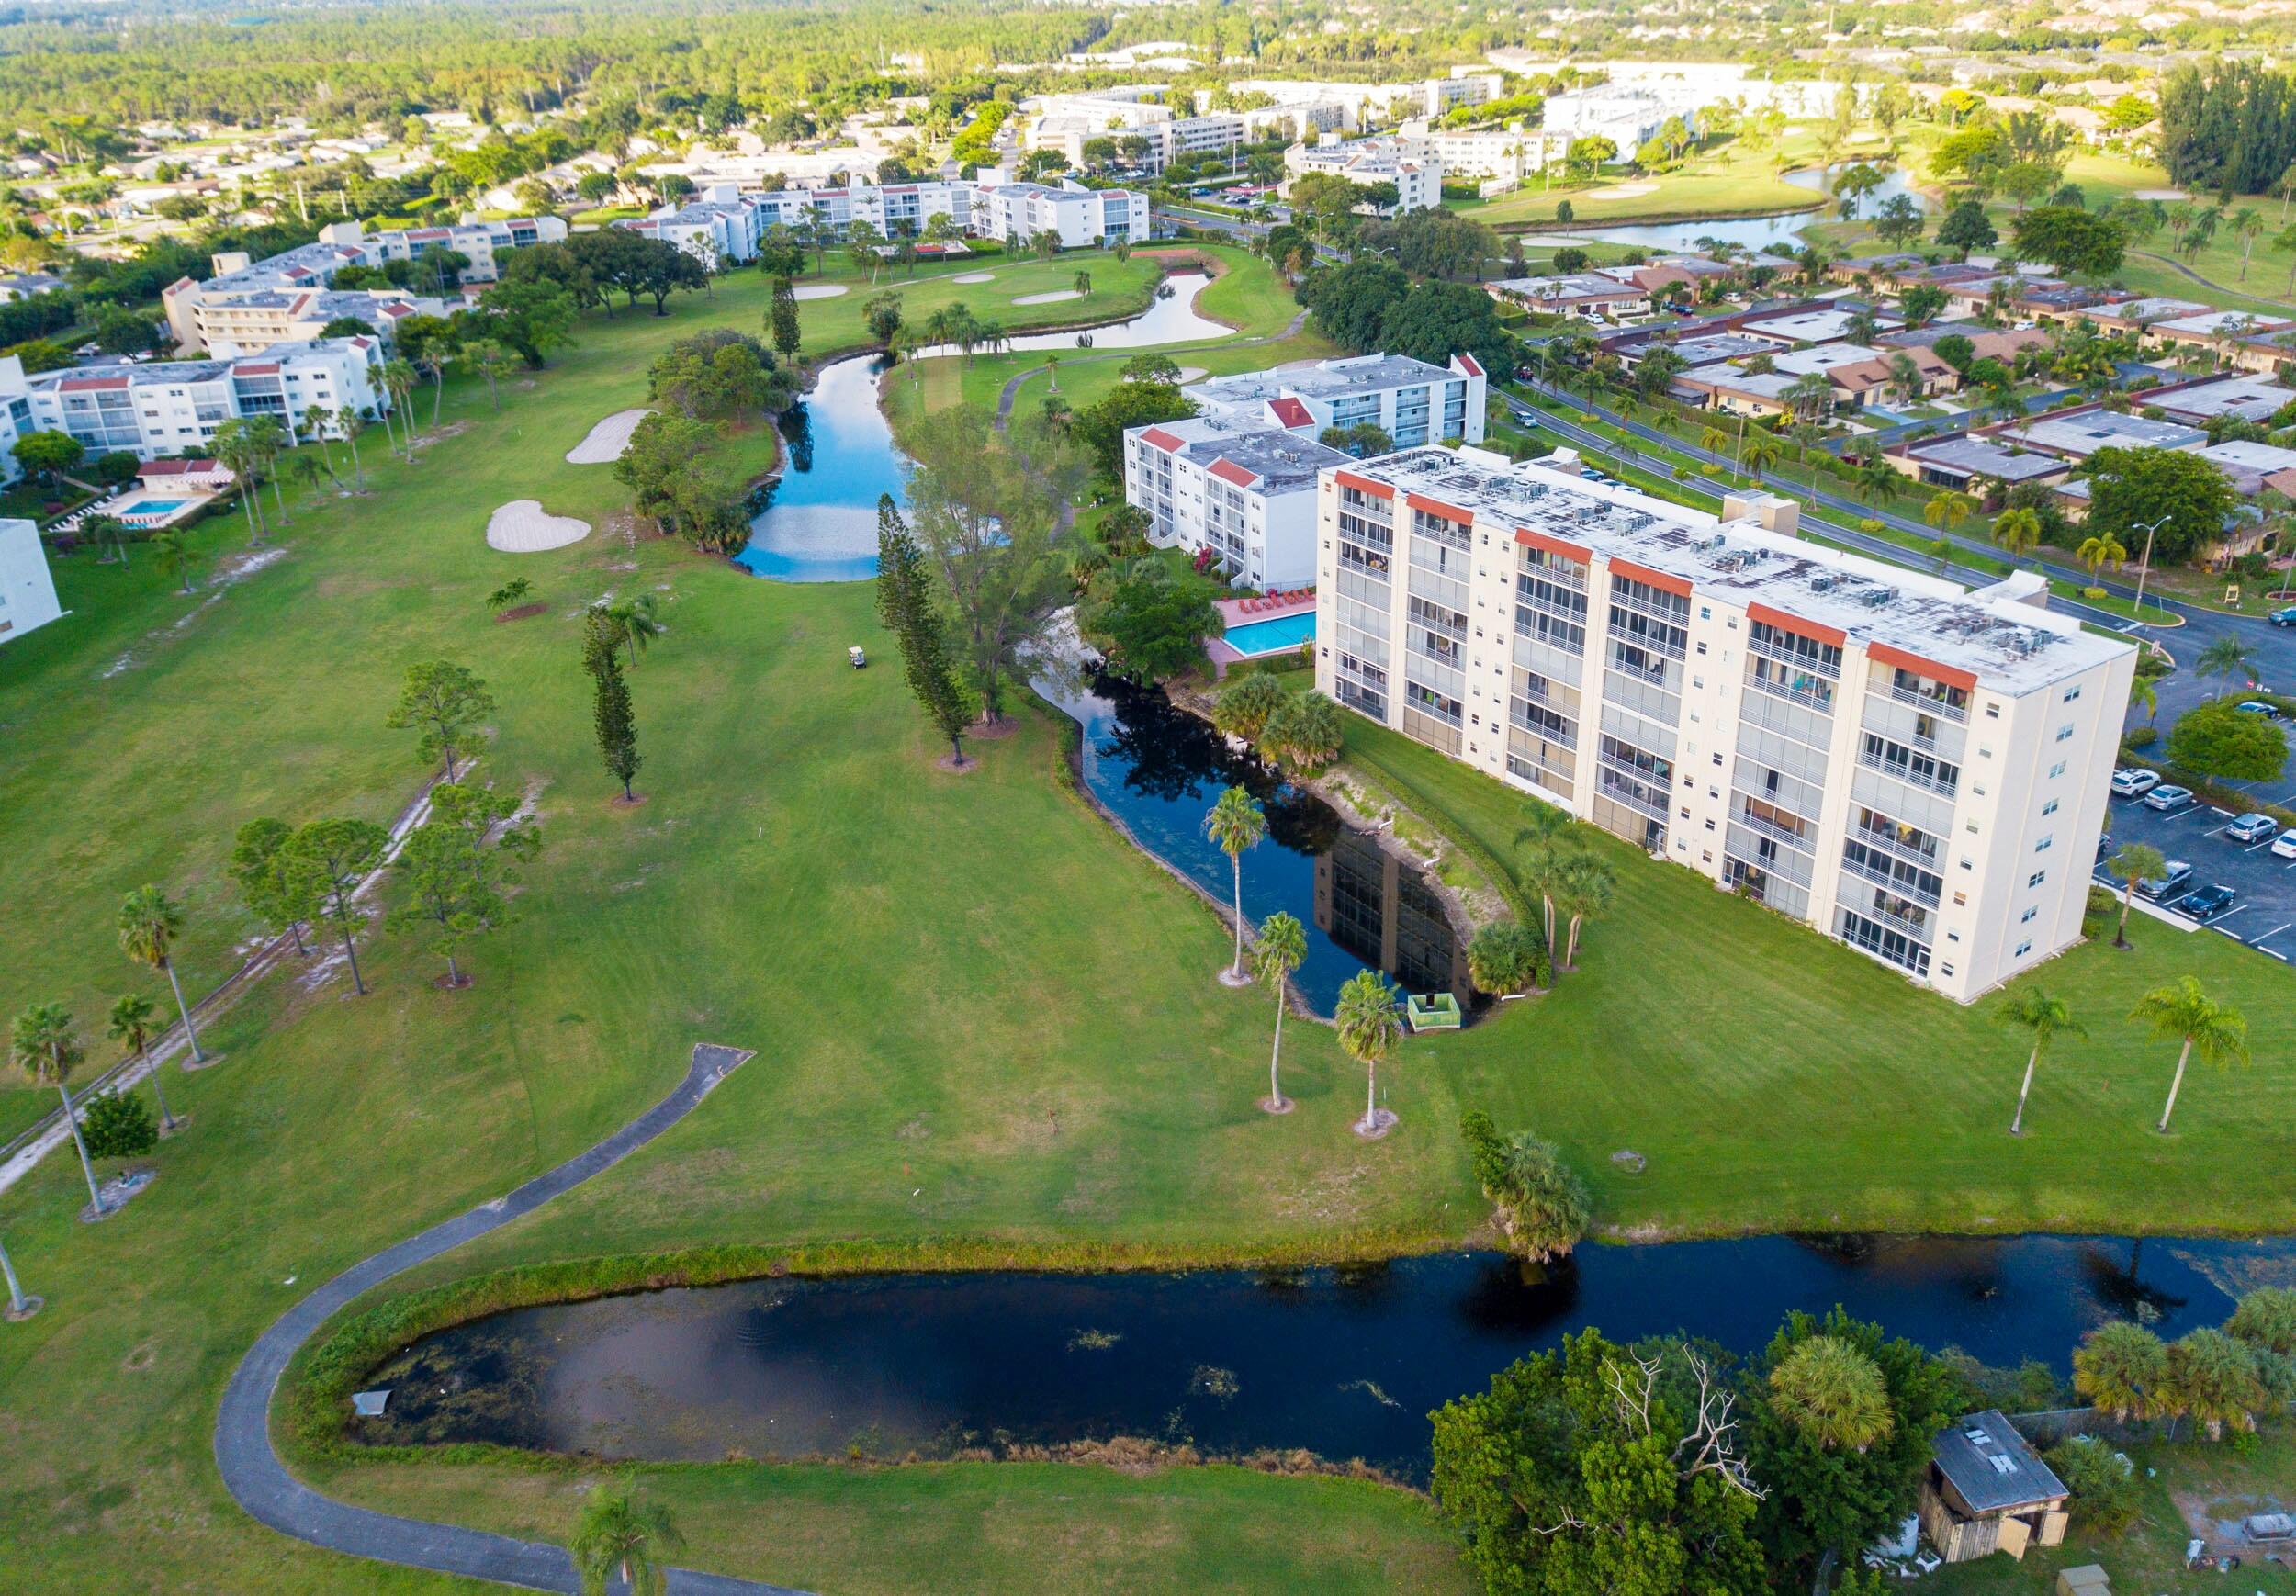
<point x="2265" y="914"/>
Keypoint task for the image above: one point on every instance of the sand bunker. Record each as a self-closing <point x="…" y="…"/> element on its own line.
<point x="1625" y="191"/>
<point x="974" y="278"/>
<point x="523" y="526"/>
<point x="1190" y="373"/>
<point x="606" y="441"/>
<point x="2162" y="194"/>
<point x="816" y="290"/>
<point x="1054" y="298"/>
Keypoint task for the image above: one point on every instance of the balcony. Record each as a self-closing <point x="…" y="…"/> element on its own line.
<point x="1945" y="787"/>
<point x="1673" y="611"/>
<point x="1889" y="919"/>
<point x="1795" y="657"/>
<point x="1802" y="841"/>
<point x="1621" y="790"/>
<point x="1656" y="676"/>
<point x="1958" y="713"/>
<point x="1776" y="688"/>
<point x="1884" y="842"/>
<point x="1882" y="878"/>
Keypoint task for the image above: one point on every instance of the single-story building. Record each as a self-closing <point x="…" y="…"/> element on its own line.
<point x="1590" y="295"/>
<point x="1738" y="393"/>
<point x="1822" y="326"/>
<point x="2246" y="399"/>
<point x="1862" y="382"/>
<point x="1987" y="1490"/>
<point x="1960" y="459"/>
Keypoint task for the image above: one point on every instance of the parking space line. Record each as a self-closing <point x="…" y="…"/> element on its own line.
<point x="2225" y="813"/>
<point x="2274" y="953"/>
<point x="2227" y="915"/>
<point x="2273" y="932"/>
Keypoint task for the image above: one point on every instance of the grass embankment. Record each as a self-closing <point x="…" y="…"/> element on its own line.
<point x="1724" y="183"/>
<point x="979" y="1016"/>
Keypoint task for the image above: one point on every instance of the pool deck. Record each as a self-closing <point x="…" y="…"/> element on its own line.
<point x="1244" y="613"/>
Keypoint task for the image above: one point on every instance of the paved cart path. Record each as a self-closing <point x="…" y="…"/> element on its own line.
<point x="259" y="1481"/>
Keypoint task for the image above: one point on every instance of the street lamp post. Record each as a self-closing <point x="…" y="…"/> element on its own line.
<point x="2145" y="569"/>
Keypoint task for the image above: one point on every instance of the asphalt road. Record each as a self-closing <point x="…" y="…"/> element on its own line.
<point x="2264" y="916"/>
<point x="258" y="1479"/>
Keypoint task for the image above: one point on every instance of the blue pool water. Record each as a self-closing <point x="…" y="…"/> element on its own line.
<point x="157" y="506"/>
<point x="821" y="525"/>
<point x="1272" y="635"/>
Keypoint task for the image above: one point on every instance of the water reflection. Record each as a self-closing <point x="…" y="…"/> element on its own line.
<point x="1777" y="232"/>
<point x="1344" y="1361"/>
<point x="819" y="522"/>
<point x="1159" y="769"/>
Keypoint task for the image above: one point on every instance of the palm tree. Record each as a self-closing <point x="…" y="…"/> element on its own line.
<point x="617" y="1536"/>
<point x="2016" y="532"/>
<point x="2247" y="227"/>
<point x="1585" y="886"/>
<point x="174" y="552"/>
<point x="630" y="622"/>
<point x="2145" y="690"/>
<point x="1236" y="824"/>
<point x="2218" y="1034"/>
<point x="19" y="1305"/>
<point x="1833" y="1393"/>
<point x="1082" y="283"/>
<point x="1713" y="440"/>
<point x="1947" y="509"/>
<point x="316" y="420"/>
<point x="399" y="382"/>
<point x="1370" y="1024"/>
<point x="46" y="1050"/>
<point x="2131" y="864"/>
<point x="1282" y="947"/>
<point x="347" y="420"/>
<point x="235" y="446"/>
<point x="1760" y="453"/>
<point x="269" y="436"/>
<point x="304" y="467"/>
<point x="2044" y="1018"/>
<point x="2096" y="552"/>
<point x="2122" y="1368"/>
<point x="131" y="1023"/>
<point x="2230" y="655"/>
<point x="148" y="927"/>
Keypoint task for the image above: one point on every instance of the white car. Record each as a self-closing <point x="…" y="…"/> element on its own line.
<point x="2284" y="845"/>
<point x="2132" y="783"/>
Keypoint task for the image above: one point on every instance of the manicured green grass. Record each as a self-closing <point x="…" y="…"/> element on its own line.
<point x="1719" y="186"/>
<point x="805" y="882"/>
<point x="1023" y="1528"/>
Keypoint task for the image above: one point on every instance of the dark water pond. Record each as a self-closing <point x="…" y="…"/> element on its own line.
<point x="1160" y="769"/>
<point x="1344" y="1361"/>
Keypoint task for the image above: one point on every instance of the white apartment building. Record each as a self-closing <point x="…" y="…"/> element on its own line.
<point x="167" y="407"/>
<point x="1239" y="477"/>
<point x="1082" y="216"/>
<point x="1416" y="173"/>
<point x="1627" y="117"/>
<point x="1233" y="484"/>
<point x="1505" y="155"/>
<point x="27" y="593"/>
<point x="250" y="305"/>
<point x="892" y="208"/>
<point x="1192" y="137"/>
<point x="1911" y="766"/>
<point x="1410" y="401"/>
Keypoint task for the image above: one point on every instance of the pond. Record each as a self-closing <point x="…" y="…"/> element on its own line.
<point x="1344" y="1361"/>
<point x="1159" y="770"/>
<point x="1753" y="233"/>
<point x="819" y="520"/>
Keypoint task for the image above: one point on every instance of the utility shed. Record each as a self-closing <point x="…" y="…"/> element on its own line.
<point x="1987" y="1490"/>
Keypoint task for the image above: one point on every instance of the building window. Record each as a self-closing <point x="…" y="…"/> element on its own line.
<point x="1993" y="712"/>
<point x="2049" y="808"/>
<point x="2035" y="878"/>
<point x="2055" y="770"/>
<point x="2022" y="949"/>
<point x="2027" y="918"/>
<point x="2065" y="731"/>
<point x="2071" y="693"/>
<point x="2043" y="846"/>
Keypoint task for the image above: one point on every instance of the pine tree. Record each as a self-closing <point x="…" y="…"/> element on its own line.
<point x="785" y="333"/>
<point x="905" y="604"/>
<point x="617" y="727"/>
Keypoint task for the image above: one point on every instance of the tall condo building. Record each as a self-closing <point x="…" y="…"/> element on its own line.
<point x="1914" y="768"/>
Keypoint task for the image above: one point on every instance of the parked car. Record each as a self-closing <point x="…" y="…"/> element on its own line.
<point x="2283" y="616"/>
<point x="2104" y="847"/>
<point x="2258" y="706"/>
<point x="2169" y="800"/>
<point x="2173" y="883"/>
<point x="2209" y="901"/>
<point x="2285" y="846"/>
<point x="2132" y="783"/>
<point x="2252" y="829"/>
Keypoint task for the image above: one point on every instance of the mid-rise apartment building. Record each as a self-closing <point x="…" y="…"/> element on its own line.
<point x="1081" y="217"/>
<point x="732" y="223"/>
<point x="1911" y="766"/>
<point x="166" y="407"/>
<point x="1238" y="479"/>
<point x="249" y="305"/>
<point x="1416" y="172"/>
<point x="1627" y="117"/>
<point x="27" y="593"/>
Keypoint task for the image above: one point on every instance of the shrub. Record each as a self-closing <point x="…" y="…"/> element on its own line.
<point x="1247" y="704"/>
<point x="119" y="1126"/>
<point x="2105" y="1497"/>
<point x="1506" y="957"/>
<point x="1305" y="732"/>
<point x="2139" y="736"/>
<point x="2098" y="913"/>
<point x="1542" y="1206"/>
<point x="2092" y="594"/>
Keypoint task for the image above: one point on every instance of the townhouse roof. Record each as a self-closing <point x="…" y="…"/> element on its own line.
<point x="1825" y="357"/>
<point x="1835" y="595"/>
<point x="2157" y="309"/>
<point x="1997" y="341"/>
<point x="2247" y="464"/>
<point x="1265" y="459"/>
<point x="2080" y="433"/>
<point x="1583" y="286"/>
<point x="2222" y="324"/>
<point x="1814" y="326"/>
<point x="1326" y="379"/>
<point x="1981" y="456"/>
<point x="1707" y="348"/>
<point x="1769" y="385"/>
<point x="1992" y="1467"/>
<point x="2247" y="399"/>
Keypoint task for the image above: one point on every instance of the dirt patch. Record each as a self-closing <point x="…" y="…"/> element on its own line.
<point x="995" y="731"/>
<point x="451" y="430"/>
<point x="948" y="762"/>
<point x="524" y="612"/>
<point x="453" y="983"/>
<point x="636" y="801"/>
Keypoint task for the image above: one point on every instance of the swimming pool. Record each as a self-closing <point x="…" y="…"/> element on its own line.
<point x="1272" y="635"/>
<point x="157" y="506"/>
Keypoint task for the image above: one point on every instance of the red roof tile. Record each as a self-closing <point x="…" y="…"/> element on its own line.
<point x="1290" y="413"/>
<point x="1165" y="441"/>
<point x="1229" y="471"/>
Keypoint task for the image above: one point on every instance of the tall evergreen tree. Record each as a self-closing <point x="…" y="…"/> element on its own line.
<point x="617" y="726"/>
<point x="905" y="604"/>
